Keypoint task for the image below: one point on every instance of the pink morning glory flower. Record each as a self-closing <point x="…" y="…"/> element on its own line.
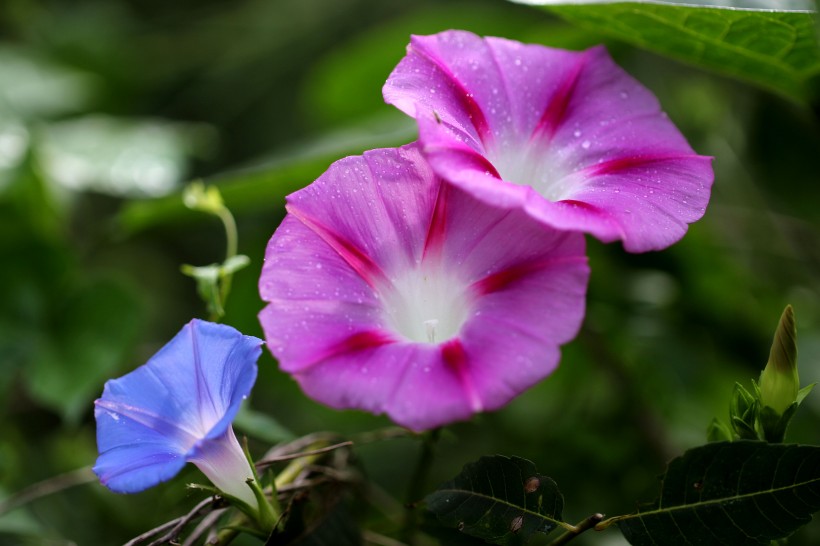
<point x="568" y="137"/>
<point x="393" y="293"/>
<point x="178" y="408"/>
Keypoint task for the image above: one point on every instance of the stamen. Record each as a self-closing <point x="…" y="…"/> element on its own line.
<point x="427" y="304"/>
<point x="430" y="328"/>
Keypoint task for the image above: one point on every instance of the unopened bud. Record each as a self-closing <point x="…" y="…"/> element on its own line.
<point x="779" y="382"/>
<point x="197" y="196"/>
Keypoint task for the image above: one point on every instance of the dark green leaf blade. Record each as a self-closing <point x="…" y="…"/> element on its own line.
<point x="740" y="493"/>
<point x="777" y="50"/>
<point x="498" y="499"/>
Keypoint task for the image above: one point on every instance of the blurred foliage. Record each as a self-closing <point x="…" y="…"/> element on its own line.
<point x="259" y="97"/>
<point x="773" y="49"/>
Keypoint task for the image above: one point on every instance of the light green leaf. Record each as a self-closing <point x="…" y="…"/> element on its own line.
<point x="35" y="88"/>
<point x="261" y="426"/>
<point x="276" y="176"/>
<point x="777" y="50"/>
<point x="804" y="392"/>
<point x="130" y="158"/>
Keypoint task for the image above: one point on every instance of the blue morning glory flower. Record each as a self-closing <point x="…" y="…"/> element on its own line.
<point x="178" y="408"/>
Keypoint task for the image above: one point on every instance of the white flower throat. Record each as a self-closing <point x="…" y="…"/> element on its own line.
<point x="531" y="164"/>
<point x="426" y="304"/>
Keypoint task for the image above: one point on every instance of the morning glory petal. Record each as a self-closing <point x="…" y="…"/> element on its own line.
<point x="568" y="137"/>
<point x="168" y="411"/>
<point x="389" y="311"/>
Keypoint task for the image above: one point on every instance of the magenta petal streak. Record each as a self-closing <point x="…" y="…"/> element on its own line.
<point x="393" y="293"/>
<point x="497" y="117"/>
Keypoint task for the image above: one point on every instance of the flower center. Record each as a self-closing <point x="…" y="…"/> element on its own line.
<point x="426" y="304"/>
<point x="531" y="164"/>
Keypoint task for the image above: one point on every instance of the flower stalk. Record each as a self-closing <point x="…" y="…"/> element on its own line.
<point x="214" y="281"/>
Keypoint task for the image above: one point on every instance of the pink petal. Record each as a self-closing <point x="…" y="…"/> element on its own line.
<point x="523" y="322"/>
<point x="317" y="299"/>
<point x="392" y="233"/>
<point x="589" y="139"/>
<point x="411" y="382"/>
<point x="348" y="316"/>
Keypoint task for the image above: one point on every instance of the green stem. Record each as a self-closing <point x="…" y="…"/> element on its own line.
<point x="231" y="247"/>
<point x="47" y="487"/>
<point x="418" y="481"/>
<point x="586" y="525"/>
<point x="226" y="535"/>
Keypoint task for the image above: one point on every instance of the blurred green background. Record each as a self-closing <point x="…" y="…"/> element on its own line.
<point x="108" y="106"/>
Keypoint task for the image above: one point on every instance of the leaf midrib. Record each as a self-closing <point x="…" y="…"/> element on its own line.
<point x="563" y="524"/>
<point x="710" y="502"/>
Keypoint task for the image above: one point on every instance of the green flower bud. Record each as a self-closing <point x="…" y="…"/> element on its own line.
<point x="779" y="382"/>
<point x="197" y="196"/>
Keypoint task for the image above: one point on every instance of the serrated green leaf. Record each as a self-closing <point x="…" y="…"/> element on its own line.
<point x="742" y="493"/>
<point x="499" y="499"/>
<point x="777" y="50"/>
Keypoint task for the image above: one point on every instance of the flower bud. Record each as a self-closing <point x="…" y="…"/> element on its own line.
<point x="197" y="196"/>
<point x="779" y="382"/>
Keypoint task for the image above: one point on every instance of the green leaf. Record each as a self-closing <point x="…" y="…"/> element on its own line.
<point x="261" y="426"/>
<point x="35" y="88"/>
<point x="97" y="329"/>
<point x="325" y="515"/>
<point x="273" y="177"/>
<point x="718" y="432"/>
<point x="773" y="424"/>
<point x="210" y="280"/>
<point x="742" y="493"/>
<point x="804" y="392"/>
<point x="777" y="50"/>
<point x="499" y="499"/>
<point x="120" y="157"/>
<point x="743" y="413"/>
